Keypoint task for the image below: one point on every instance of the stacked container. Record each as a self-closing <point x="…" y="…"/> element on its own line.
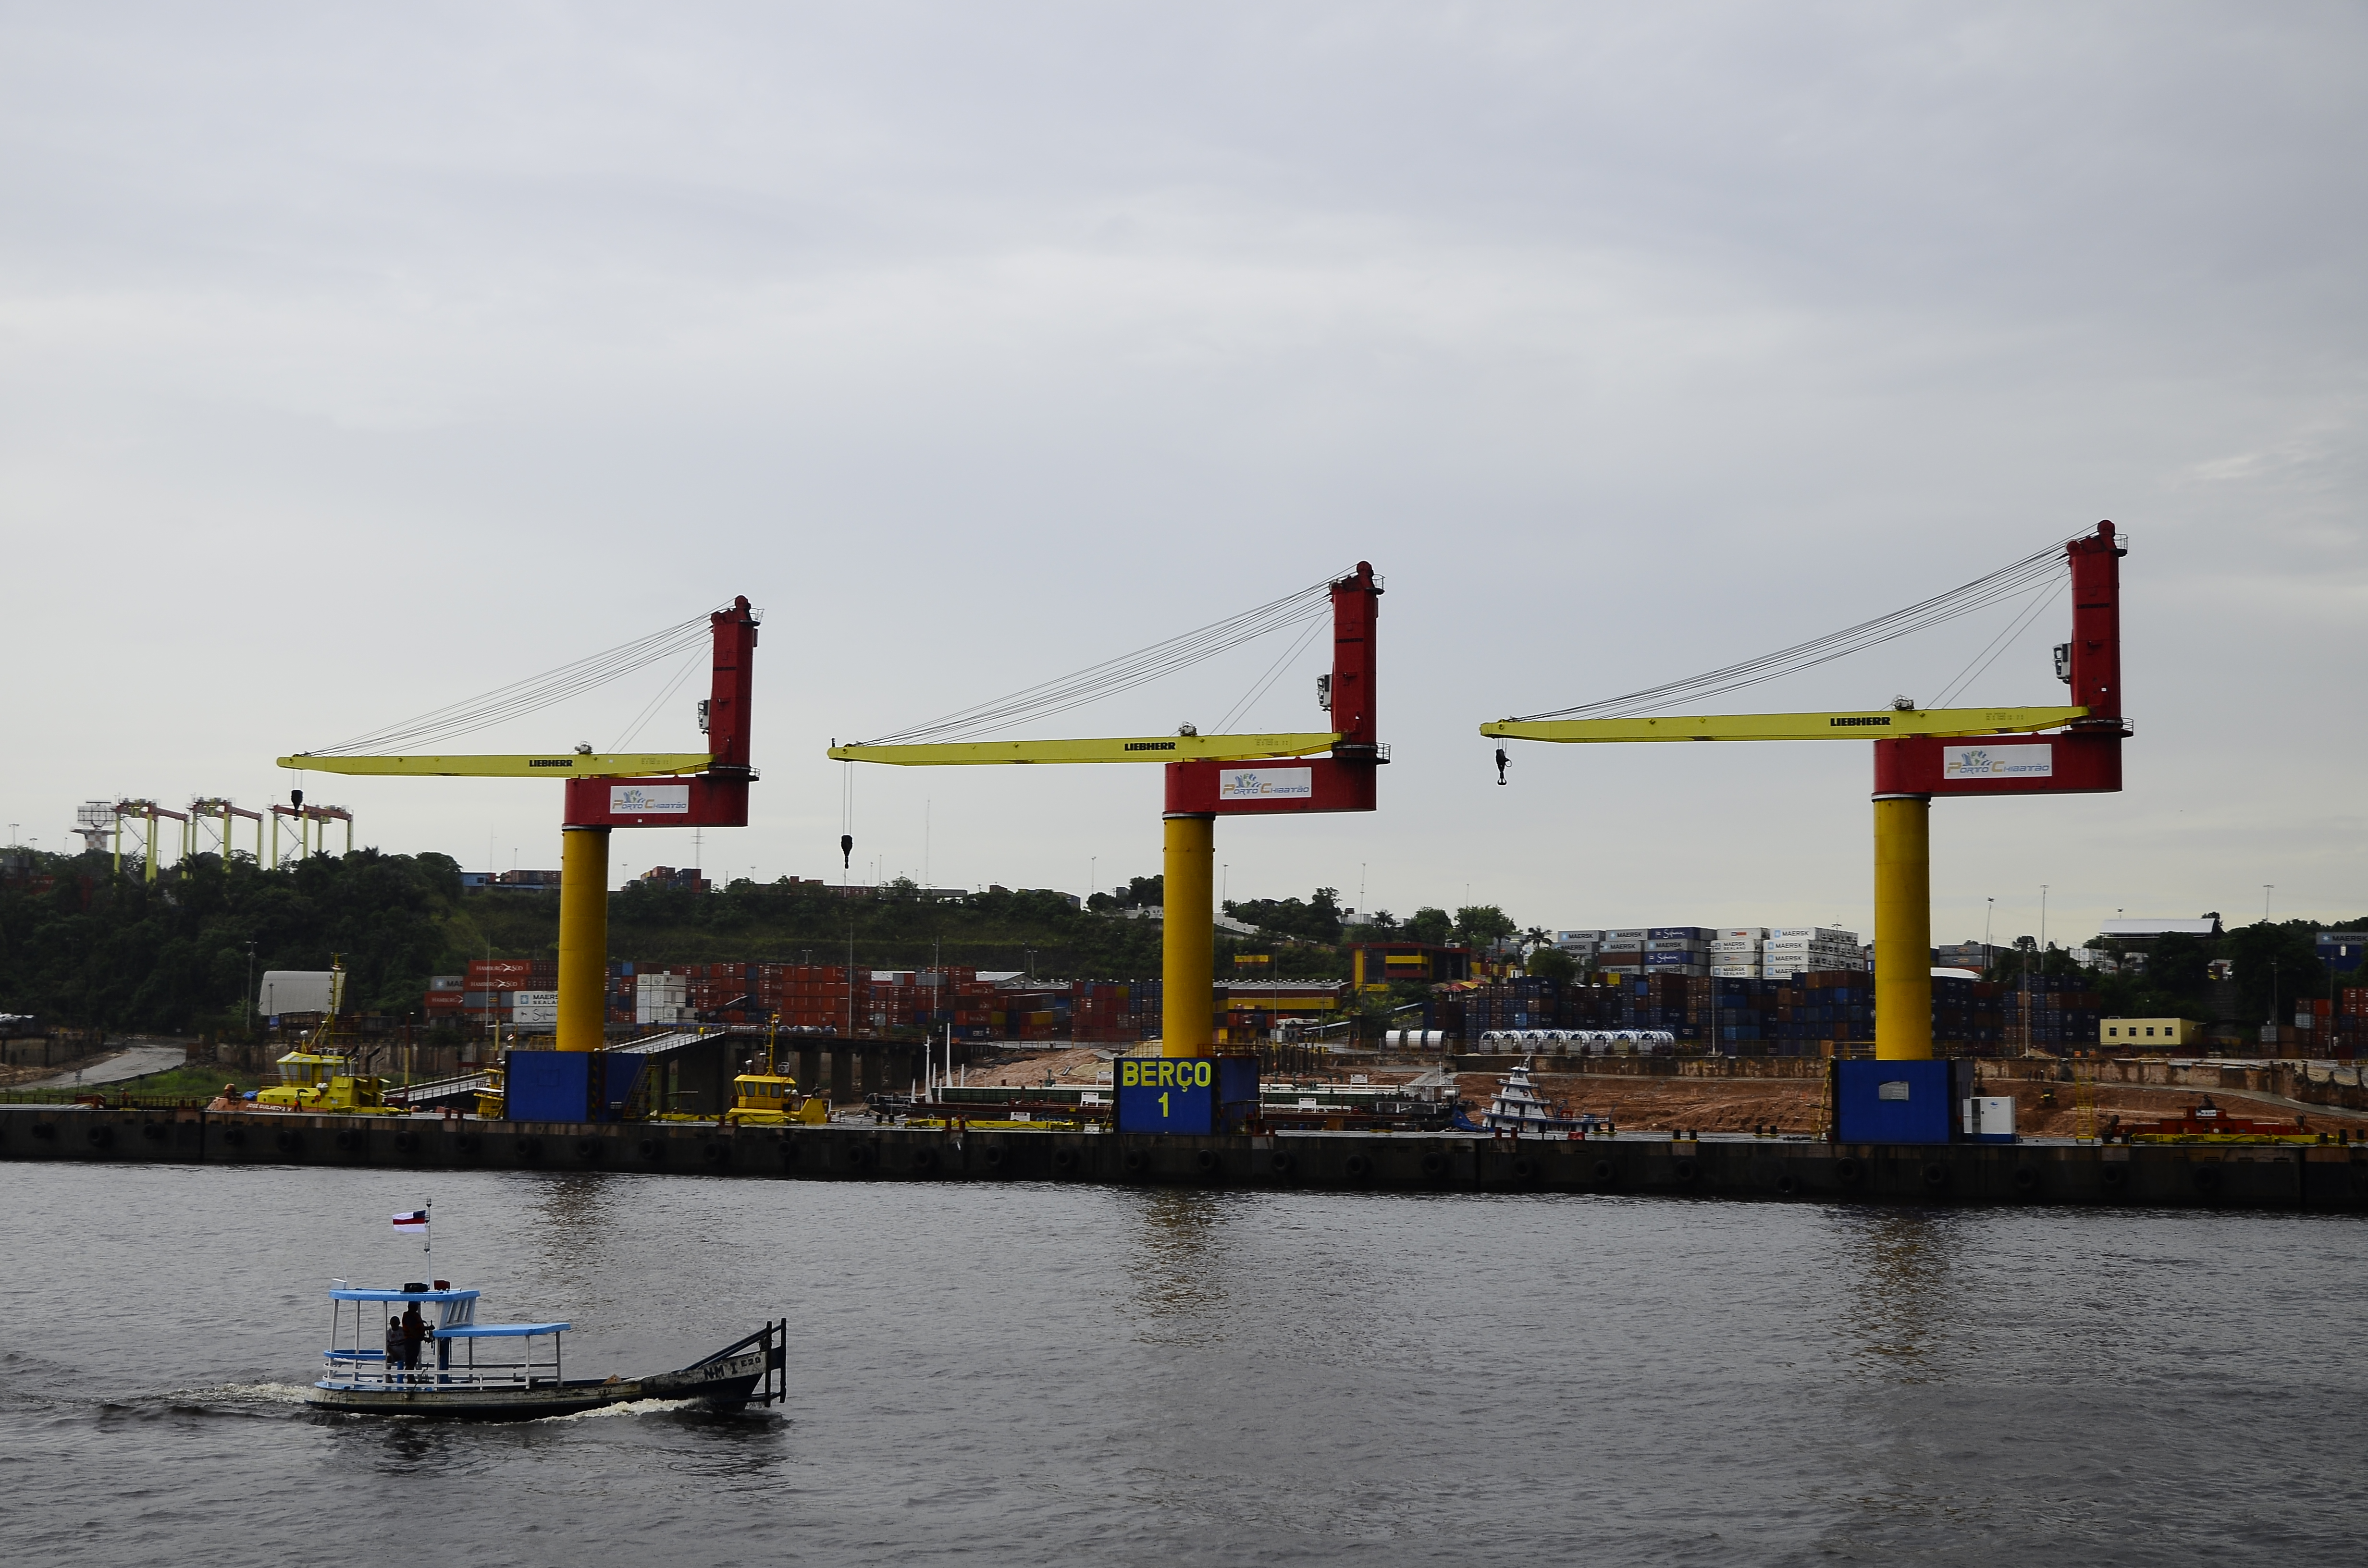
<point x="1622" y="952"/>
<point x="809" y="997"/>
<point x="1735" y="952"/>
<point x="1809" y="950"/>
<point x="662" y="997"/>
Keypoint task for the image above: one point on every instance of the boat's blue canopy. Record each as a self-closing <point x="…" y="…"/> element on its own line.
<point x="404" y="1295"/>
<point x="500" y="1330"/>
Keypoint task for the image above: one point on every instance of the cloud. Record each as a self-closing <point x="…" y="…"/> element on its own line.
<point x="349" y="364"/>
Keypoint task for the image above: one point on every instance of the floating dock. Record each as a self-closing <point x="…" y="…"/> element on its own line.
<point x="2327" y="1177"/>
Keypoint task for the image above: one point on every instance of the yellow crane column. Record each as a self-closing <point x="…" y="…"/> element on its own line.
<point x="583" y="937"/>
<point x="1189" y="942"/>
<point x="1903" y="928"/>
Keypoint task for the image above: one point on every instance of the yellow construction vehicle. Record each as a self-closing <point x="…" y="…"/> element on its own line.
<point x="315" y="1081"/>
<point x="318" y="1075"/>
<point x="492" y="1098"/>
<point x="771" y="1098"/>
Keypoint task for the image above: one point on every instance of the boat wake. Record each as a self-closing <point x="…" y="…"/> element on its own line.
<point x="246" y="1393"/>
<point x="628" y="1407"/>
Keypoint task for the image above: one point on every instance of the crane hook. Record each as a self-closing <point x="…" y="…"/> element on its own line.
<point x="847" y="851"/>
<point x="1501" y="760"/>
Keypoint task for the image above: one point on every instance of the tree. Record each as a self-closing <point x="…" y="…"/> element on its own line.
<point x="1481" y="926"/>
<point x="1429" y="925"/>
<point x="1316" y="920"/>
<point x="1140" y="892"/>
<point x="2274" y="963"/>
<point x="1552" y="963"/>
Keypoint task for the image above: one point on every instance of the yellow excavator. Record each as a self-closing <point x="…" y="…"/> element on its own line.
<point x="770" y="1099"/>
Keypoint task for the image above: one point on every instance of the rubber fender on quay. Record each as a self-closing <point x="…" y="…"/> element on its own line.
<point x="287" y="1142"/>
<point x="1358" y="1167"/>
<point x="406" y="1142"/>
<point x="1526" y="1169"/>
<point x="999" y="1155"/>
<point x="1787" y="1185"/>
<point x="859" y="1157"/>
<point x="47" y="1132"/>
<point x="925" y="1160"/>
<point x="347" y="1140"/>
<point x="1064" y="1160"/>
<point x="588" y="1149"/>
<point x="1135" y="1162"/>
<point x="1848" y="1171"/>
<point x="2114" y="1176"/>
<point x="1936" y="1174"/>
<point x="1685" y="1170"/>
<point x="2206" y="1173"/>
<point x="1434" y="1165"/>
<point x="650" y="1149"/>
<point x="235" y="1137"/>
<point x="2026" y="1178"/>
<point x="530" y="1148"/>
<point x="468" y="1144"/>
<point x="1604" y="1173"/>
<point x="154" y="1131"/>
<point x="101" y="1137"/>
<point x="1206" y="1159"/>
<point x="1283" y="1163"/>
<point x="715" y="1151"/>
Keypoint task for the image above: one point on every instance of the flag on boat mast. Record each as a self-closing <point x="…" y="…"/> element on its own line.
<point x="416" y="1220"/>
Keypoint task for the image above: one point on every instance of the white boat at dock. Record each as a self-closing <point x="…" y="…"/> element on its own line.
<point x="1520" y="1109"/>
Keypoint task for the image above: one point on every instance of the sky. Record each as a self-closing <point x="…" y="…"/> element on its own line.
<point x="354" y="360"/>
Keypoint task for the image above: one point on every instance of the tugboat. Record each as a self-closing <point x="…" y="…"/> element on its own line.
<point x="415" y="1366"/>
<point x="1518" y="1109"/>
<point x="318" y="1075"/>
<point x="770" y="1099"/>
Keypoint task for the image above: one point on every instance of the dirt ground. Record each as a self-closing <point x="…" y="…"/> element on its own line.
<point x="1739" y="1105"/>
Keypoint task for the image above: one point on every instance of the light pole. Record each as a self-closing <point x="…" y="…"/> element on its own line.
<point x="2267" y="888"/>
<point x="247" y="997"/>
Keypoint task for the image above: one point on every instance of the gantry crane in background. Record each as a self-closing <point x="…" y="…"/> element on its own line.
<point x="1203" y="782"/>
<point x="707" y="789"/>
<point x="1920" y="753"/>
<point x="221" y="811"/>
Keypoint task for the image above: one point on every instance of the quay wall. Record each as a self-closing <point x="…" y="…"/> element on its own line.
<point x="2326" y="1177"/>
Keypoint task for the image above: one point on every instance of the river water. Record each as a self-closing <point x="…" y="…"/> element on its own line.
<point x="1025" y="1373"/>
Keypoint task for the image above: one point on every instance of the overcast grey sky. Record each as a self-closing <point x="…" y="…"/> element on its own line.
<point x="356" y="359"/>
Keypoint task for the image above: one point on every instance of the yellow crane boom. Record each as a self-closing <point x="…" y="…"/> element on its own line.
<point x="564" y="765"/>
<point x="1119" y="749"/>
<point x="1864" y="725"/>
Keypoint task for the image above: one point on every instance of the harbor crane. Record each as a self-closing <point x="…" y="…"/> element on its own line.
<point x="1919" y="753"/>
<point x="604" y="790"/>
<point x="1204" y="779"/>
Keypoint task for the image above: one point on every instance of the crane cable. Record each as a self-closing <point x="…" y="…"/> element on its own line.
<point x="530" y="695"/>
<point x="2031" y="573"/>
<point x="1123" y="673"/>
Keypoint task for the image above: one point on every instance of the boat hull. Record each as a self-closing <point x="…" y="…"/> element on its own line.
<point x="727" y="1384"/>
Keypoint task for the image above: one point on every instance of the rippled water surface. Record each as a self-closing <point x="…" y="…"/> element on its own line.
<point x="1068" y="1374"/>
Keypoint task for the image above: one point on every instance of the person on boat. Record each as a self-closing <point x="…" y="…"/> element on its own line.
<point x="415" y="1333"/>
<point x="393" y="1345"/>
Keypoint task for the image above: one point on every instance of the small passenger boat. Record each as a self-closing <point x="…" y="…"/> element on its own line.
<point x="509" y="1371"/>
<point x="1520" y="1109"/>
